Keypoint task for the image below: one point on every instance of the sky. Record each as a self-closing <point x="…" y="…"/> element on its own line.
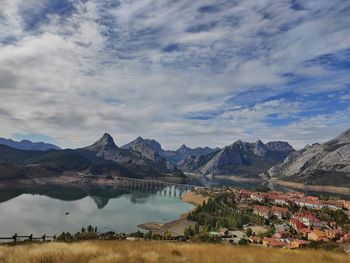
<point x="181" y="72"/>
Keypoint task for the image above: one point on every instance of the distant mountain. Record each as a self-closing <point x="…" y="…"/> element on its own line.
<point x="150" y="150"/>
<point x="240" y="158"/>
<point x="184" y="152"/>
<point x="138" y="157"/>
<point x="324" y="164"/>
<point x="28" y="145"/>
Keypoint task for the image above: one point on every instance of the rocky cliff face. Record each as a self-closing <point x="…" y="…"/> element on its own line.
<point x="149" y="149"/>
<point x="327" y="163"/>
<point x="240" y="158"/>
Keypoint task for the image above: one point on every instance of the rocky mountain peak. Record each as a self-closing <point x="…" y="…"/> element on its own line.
<point x="139" y="139"/>
<point x="106" y="142"/>
<point x="280" y="146"/>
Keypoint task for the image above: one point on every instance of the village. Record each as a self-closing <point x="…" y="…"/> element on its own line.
<point x="285" y="220"/>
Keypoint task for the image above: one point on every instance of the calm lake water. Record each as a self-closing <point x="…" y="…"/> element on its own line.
<point x="43" y="211"/>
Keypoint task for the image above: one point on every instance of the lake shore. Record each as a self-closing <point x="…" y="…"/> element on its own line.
<point x="317" y="188"/>
<point x="236" y="178"/>
<point x="178" y="226"/>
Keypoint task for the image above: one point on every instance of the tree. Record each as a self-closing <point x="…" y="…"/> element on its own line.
<point x="243" y="242"/>
<point x="83" y="230"/>
<point x="148" y="235"/>
<point x="249" y="232"/>
<point x="196" y="228"/>
<point x="90" y="228"/>
<point x="189" y="232"/>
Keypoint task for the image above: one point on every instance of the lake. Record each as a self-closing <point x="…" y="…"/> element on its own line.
<point x="51" y="210"/>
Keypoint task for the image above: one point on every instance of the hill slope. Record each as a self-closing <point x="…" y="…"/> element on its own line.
<point x="323" y="164"/>
<point x="170" y="252"/>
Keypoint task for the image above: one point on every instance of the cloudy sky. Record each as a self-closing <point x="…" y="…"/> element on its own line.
<point x="196" y="72"/>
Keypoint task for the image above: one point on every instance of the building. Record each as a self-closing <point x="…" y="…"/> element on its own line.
<point x="258" y="196"/>
<point x="309" y="219"/>
<point x="223" y="232"/>
<point x="298" y="243"/>
<point x="255" y="239"/>
<point x="282" y="234"/>
<point x="263" y="211"/>
<point x="273" y="242"/>
<point x="297" y="225"/>
<point x="317" y="235"/>
<point x="280" y="212"/>
<point x="244" y="194"/>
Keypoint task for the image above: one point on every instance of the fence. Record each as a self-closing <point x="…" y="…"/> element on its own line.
<point x="15" y="238"/>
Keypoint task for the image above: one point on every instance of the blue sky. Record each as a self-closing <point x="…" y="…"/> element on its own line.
<point x="194" y="72"/>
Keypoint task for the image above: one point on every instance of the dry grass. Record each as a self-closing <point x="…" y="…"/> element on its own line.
<point x="194" y="198"/>
<point x="144" y="252"/>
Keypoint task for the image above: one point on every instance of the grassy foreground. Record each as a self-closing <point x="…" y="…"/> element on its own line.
<point x="124" y="251"/>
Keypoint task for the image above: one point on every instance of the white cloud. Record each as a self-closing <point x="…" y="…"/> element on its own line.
<point x="103" y="68"/>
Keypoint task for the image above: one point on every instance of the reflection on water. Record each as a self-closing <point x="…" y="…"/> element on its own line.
<point x="44" y="210"/>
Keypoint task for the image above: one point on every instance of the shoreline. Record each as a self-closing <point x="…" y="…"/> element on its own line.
<point x="177" y="226"/>
<point x="240" y="179"/>
<point x="317" y="188"/>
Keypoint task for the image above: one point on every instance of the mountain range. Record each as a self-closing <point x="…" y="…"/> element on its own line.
<point x="28" y="145"/>
<point x="327" y="163"/>
<point x="240" y="158"/>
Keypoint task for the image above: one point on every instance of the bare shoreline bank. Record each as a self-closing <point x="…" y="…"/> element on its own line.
<point x="176" y="227"/>
<point x="239" y="179"/>
<point x="317" y="188"/>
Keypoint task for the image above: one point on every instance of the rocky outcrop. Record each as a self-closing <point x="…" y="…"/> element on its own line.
<point x="325" y="164"/>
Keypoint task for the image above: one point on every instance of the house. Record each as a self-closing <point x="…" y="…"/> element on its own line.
<point x="317" y="235"/>
<point x="346" y="204"/>
<point x="223" y="232"/>
<point x="244" y="194"/>
<point x="282" y="234"/>
<point x="345" y="237"/>
<point x="280" y="212"/>
<point x="273" y="242"/>
<point x="263" y="211"/>
<point x="255" y="239"/>
<point x="304" y="232"/>
<point x="297" y="225"/>
<point x="258" y="196"/>
<point x="333" y="233"/>
<point x="309" y="219"/>
<point x="281" y="200"/>
<point x="298" y="243"/>
<point x="333" y="204"/>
